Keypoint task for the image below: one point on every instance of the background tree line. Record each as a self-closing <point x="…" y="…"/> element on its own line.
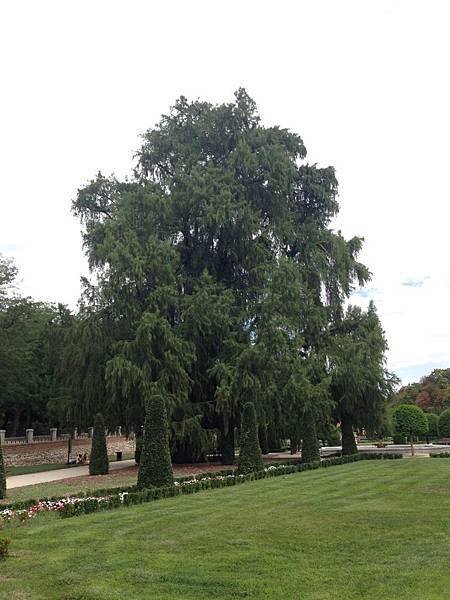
<point x="217" y="279"/>
<point x="431" y="393"/>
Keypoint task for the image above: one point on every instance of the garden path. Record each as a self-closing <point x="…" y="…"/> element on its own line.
<point x="46" y="476"/>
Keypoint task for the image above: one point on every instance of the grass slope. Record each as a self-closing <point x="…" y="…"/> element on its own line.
<point x="370" y="530"/>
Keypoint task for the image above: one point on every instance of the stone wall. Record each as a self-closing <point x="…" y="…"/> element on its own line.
<point x="56" y="452"/>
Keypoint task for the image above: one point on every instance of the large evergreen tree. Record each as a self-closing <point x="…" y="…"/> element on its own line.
<point x="361" y="385"/>
<point x="218" y="278"/>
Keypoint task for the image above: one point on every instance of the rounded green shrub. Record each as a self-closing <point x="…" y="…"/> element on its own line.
<point x="98" y="462"/>
<point x="409" y="421"/>
<point x="444" y="423"/>
<point x="250" y="457"/>
<point x="155" y="467"/>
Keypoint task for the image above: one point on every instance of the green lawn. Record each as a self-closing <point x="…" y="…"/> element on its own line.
<point x="369" y="530"/>
<point x="69" y="487"/>
<point x="25" y="470"/>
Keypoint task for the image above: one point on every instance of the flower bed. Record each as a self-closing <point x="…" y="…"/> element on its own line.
<point x="116" y="497"/>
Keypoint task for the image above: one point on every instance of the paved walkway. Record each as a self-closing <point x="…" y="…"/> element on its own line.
<point x="57" y="474"/>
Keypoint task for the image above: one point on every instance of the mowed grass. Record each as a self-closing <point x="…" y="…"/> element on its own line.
<point x="70" y="487"/>
<point x="369" y="530"/>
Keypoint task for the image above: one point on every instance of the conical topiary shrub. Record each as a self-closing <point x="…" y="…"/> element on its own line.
<point x="2" y="476"/>
<point x="250" y="457"/>
<point x="310" y="442"/>
<point x="155" y="467"/>
<point x="98" y="462"/>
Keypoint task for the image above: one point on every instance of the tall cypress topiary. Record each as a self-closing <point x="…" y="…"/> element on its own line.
<point x="98" y="463"/>
<point x="310" y="442"/>
<point x="155" y="468"/>
<point x="2" y="476"/>
<point x="250" y="457"/>
<point x="348" y="437"/>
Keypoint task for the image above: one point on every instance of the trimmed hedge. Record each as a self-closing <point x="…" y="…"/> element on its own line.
<point x="440" y="455"/>
<point x="24" y="504"/>
<point x="135" y="496"/>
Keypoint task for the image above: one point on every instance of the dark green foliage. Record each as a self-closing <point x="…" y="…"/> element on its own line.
<point x="348" y="437"/>
<point x="410" y="421"/>
<point x="399" y="439"/>
<point x="250" y="458"/>
<point x="218" y="277"/>
<point x="310" y="443"/>
<point x="28" y="384"/>
<point x="433" y="425"/>
<point x="98" y="461"/>
<point x="332" y="436"/>
<point x="444" y="424"/>
<point x="138" y="449"/>
<point x="263" y="439"/>
<point x="227" y="445"/>
<point x="360" y="383"/>
<point x="2" y="475"/>
<point x="155" y="468"/>
<point x="273" y="438"/>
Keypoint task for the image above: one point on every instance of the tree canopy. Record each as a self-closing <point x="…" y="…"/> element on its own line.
<point x="217" y="280"/>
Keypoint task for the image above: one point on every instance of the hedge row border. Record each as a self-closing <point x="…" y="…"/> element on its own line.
<point x="134" y="497"/>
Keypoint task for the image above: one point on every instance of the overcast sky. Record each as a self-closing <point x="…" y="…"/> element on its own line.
<point x="364" y="83"/>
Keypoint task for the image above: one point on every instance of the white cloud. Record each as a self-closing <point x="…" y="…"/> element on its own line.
<point x="364" y="83"/>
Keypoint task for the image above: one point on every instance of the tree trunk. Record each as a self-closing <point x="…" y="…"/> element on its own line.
<point x="262" y="434"/>
<point x="227" y="448"/>
<point x="15" y="421"/>
<point x="412" y="445"/>
<point x="310" y="446"/>
<point x="348" y="438"/>
<point x="273" y="439"/>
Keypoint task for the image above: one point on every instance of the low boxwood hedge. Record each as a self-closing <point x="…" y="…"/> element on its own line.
<point x="205" y="481"/>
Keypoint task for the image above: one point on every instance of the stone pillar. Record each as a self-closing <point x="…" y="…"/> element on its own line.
<point x="29" y="435"/>
<point x="2" y="436"/>
<point x="75" y="433"/>
<point x="90" y="432"/>
<point x="53" y="433"/>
